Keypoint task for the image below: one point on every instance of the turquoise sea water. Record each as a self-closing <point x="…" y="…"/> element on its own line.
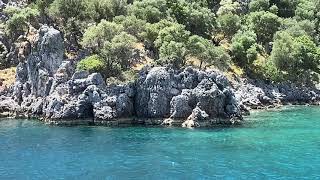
<point x="282" y="144"/>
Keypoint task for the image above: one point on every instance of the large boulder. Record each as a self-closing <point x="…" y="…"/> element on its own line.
<point x="197" y="117"/>
<point x="7" y="106"/>
<point x="114" y="107"/>
<point x="180" y="107"/>
<point x="210" y="98"/>
<point x="153" y="93"/>
<point x="166" y="93"/>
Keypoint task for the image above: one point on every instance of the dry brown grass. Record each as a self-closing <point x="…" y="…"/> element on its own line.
<point x="139" y="46"/>
<point x="139" y="66"/>
<point x="193" y="61"/>
<point x="8" y="76"/>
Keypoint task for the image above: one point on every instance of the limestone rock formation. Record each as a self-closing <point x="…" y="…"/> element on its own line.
<point x="7" y="106"/>
<point x="153" y="93"/>
<point x="256" y="94"/>
<point x="166" y="93"/>
<point x="60" y="95"/>
<point x="48" y="87"/>
<point x="85" y="97"/>
<point x="34" y="72"/>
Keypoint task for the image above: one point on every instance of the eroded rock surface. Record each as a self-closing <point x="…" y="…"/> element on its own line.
<point x="165" y="93"/>
<point x="255" y="94"/>
<point x="35" y="71"/>
<point x="49" y="88"/>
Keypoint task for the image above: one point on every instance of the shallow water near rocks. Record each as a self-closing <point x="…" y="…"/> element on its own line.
<point x="278" y="144"/>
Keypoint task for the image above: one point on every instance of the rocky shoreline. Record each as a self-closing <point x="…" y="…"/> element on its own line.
<point x="49" y="88"/>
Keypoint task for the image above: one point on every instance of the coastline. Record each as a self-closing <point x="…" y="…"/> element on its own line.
<point x="55" y="92"/>
<point x="156" y="122"/>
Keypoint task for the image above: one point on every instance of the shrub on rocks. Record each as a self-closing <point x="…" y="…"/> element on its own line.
<point x="92" y="64"/>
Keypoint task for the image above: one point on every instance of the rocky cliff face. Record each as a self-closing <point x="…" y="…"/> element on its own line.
<point x="160" y="96"/>
<point x="35" y="73"/>
<point x="49" y="88"/>
<point x="178" y="96"/>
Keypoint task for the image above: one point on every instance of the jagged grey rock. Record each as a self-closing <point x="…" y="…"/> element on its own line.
<point x="180" y="107"/>
<point x="7" y="106"/>
<point x="210" y="98"/>
<point x="255" y="94"/>
<point x="196" y="118"/>
<point x="48" y="87"/>
<point x="34" y="73"/>
<point x="153" y="93"/>
<point x="166" y="93"/>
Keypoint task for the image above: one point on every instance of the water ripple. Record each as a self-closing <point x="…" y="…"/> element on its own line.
<point x="281" y="144"/>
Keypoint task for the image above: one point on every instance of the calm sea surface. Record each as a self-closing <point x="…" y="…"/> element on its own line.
<point x="281" y="144"/>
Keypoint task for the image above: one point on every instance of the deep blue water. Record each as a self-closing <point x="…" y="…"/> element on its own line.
<point x="282" y="144"/>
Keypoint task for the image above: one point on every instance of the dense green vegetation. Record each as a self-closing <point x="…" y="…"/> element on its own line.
<point x="276" y="40"/>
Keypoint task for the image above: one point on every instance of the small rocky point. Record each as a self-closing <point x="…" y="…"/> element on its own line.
<point x="49" y="88"/>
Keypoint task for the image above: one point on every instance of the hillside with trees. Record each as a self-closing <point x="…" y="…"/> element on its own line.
<point x="274" y="40"/>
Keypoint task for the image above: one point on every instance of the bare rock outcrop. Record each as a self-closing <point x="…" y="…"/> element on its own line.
<point x="49" y="87"/>
<point x="256" y="94"/>
<point x="35" y="71"/>
<point x="167" y="93"/>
